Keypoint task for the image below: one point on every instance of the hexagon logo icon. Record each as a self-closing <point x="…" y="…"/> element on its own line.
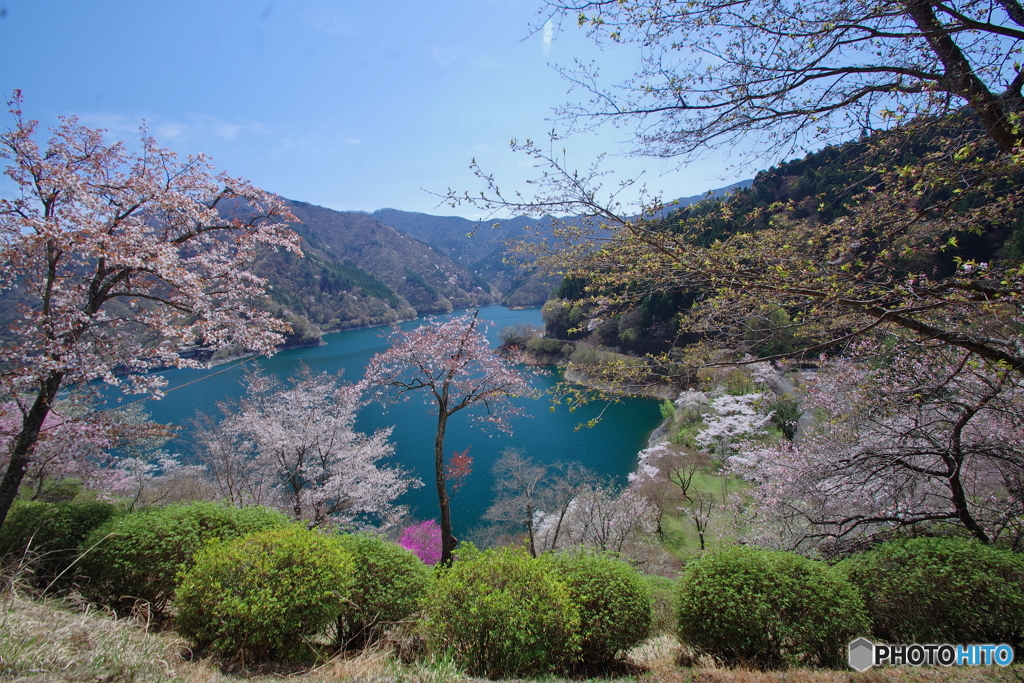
<point x="862" y="654"/>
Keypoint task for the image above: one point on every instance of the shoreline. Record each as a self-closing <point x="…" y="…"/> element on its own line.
<point x="662" y="391"/>
<point x="213" y="362"/>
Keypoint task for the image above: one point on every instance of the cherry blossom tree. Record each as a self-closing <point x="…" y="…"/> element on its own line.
<point x="732" y="418"/>
<point x="911" y="439"/>
<point x="68" y="446"/>
<point x="783" y="74"/>
<point x="157" y="480"/>
<point x="232" y="477"/>
<point x="294" y="447"/>
<point x="534" y="496"/>
<point x="136" y="467"/>
<point x="453" y="364"/>
<point x="120" y="257"/>
<point x="664" y="477"/>
<point x="604" y="517"/>
<point x="78" y="441"/>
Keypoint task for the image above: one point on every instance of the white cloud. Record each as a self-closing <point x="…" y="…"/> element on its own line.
<point x="169" y="130"/>
<point x="328" y="20"/>
<point x="119" y="126"/>
<point x="190" y="129"/>
<point x="444" y="56"/>
<point x="228" y="131"/>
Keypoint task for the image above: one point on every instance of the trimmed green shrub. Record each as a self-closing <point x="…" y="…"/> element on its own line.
<point x="261" y="597"/>
<point x="664" y="613"/>
<point x="138" y="555"/>
<point x="48" y="535"/>
<point x="768" y="609"/>
<point x="941" y="590"/>
<point x="390" y="582"/>
<point x="612" y="598"/>
<point x="502" y="614"/>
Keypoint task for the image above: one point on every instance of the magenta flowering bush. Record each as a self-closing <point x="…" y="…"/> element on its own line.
<point x="424" y="539"/>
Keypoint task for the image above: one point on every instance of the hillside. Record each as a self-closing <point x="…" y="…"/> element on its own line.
<point x="482" y="245"/>
<point x="365" y="269"/>
<point x="816" y="190"/>
<point x="473" y="242"/>
<point x="358" y="271"/>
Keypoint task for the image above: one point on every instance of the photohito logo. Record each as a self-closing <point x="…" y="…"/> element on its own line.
<point x="863" y="654"/>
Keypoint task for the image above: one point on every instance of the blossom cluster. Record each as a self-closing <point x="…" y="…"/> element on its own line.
<point x="424" y="539"/>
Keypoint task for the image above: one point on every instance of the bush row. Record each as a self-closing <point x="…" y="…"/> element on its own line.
<point x="494" y="613"/>
<point x="772" y="609"/>
<point x="247" y="584"/>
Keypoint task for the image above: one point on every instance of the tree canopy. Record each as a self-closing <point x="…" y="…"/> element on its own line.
<point x="119" y="258"/>
<point x="932" y="90"/>
<point x="294" y="447"/>
<point x="716" y="72"/>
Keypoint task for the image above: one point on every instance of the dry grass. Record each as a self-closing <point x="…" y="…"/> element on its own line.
<point x="57" y="640"/>
<point x="41" y="642"/>
<point x="50" y="640"/>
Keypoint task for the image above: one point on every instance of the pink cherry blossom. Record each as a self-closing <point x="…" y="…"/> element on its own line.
<point x="294" y="447"/>
<point x="453" y="366"/>
<point x="909" y="437"/>
<point x="113" y="251"/>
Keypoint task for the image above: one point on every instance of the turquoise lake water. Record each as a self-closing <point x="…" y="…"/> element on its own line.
<point x="547" y="436"/>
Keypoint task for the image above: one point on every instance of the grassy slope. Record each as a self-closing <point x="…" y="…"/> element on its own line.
<point x="681" y="538"/>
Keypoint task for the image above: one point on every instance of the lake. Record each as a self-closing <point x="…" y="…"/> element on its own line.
<point x="547" y="436"/>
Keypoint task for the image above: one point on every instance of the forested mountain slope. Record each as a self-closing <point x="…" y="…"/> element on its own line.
<point x="816" y="190"/>
<point x="482" y="246"/>
<point x="359" y="271"/>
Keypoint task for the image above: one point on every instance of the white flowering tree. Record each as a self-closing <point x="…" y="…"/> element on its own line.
<point x="732" y="420"/>
<point x="156" y="479"/>
<point x="911" y="439"/>
<point x="111" y="251"/>
<point x="601" y="516"/>
<point x="453" y="365"/>
<point x="294" y="447"/>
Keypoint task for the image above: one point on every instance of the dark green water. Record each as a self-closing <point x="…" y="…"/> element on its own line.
<point x="609" y="448"/>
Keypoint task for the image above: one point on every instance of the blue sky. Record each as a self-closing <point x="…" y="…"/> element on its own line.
<point x="354" y="105"/>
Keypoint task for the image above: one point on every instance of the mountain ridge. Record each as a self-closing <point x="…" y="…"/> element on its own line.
<point x="375" y="268"/>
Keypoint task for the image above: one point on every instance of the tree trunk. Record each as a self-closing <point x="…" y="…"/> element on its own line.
<point x="447" y="538"/>
<point x="961" y="74"/>
<point x="21" y="453"/>
<point x="529" y="528"/>
<point x="963" y="513"/>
